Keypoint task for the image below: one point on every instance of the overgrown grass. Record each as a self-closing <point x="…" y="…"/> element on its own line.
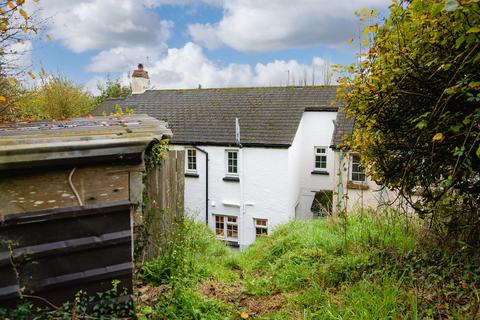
<point x="195" y="256"/>
<point x="364" y="267"/>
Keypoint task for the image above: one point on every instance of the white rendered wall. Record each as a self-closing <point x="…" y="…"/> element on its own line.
<point x="265" y="185"/>
<point x="315" y="130"/>
<point x="355" y="199"/>
<point x="140" y="85"/>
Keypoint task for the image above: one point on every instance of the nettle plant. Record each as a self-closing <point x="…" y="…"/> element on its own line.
<point x="415" y="94"/>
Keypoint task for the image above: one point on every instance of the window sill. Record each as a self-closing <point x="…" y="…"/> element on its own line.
<point x="232" y="244"/>
<point x="191" y="175"/>
<point x="354" y="185"/>
<point x="229" y="242"/>
<point x="324" y="173"/>
<point x="231" y="179"/>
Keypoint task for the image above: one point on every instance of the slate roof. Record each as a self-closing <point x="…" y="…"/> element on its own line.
<point x="344" y="127"/>
<point x="108" y="106"/>
<point x="269" y="116"/>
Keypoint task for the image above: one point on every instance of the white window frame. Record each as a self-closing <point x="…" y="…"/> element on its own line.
<point x="227" y="167"/>
<point x="226" y="223"/>
<point x="260" y="226"/>
<point x="362" y="171"/>
<point x="187" y="163"/>
<point x="319" y="154"/>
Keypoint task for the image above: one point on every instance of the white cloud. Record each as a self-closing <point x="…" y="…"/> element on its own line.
<point x="105" y="24"/>
<point x="125" y="32"/>
<point x="255" y="26"/>
<point x="188" y="67"/>
<point x="18" y="55"/>
<point x="123" y="58"/>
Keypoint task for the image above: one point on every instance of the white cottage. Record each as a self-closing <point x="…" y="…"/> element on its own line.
<point x="245" y="179"/>
<point x="353" y="189"/>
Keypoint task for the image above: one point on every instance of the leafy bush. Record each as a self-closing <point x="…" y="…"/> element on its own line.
<point x="111" y="304"/>
<point x="112" y="89"/>
<point x="415" y="93"/>
<point x="54" y="98"/>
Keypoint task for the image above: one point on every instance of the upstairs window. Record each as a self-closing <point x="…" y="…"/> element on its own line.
<point x="261" y="227"/>
<point x="356" y="169"/>
<point x="320" y="158"/>
<point x="232" y="162"/>
<point x="191" y="160"/>
<point x="226" y="227"/>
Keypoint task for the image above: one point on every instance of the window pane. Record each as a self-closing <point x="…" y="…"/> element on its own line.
<point x="232" y="231"/>
<point x="219" y="226"/>
<point x="232" y="219"/>
<point x="320" y="158"/>
<point x="320" y="162"/>
<point x="358" y="172"/>
<point x="232" y="163"/>
<point x="260" y="231"/>
<point x="261" y="222"/>
<point x="219" y="231"/>
<point x="192" y="159"/>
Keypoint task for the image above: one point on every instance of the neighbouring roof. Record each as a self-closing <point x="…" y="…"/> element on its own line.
<point x="344" y="126"/>
<point x="108" y="106"/>
<point x="114" y="139"/>
<point x="269" y="116"/>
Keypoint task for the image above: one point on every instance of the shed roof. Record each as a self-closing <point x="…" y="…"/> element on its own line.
<point x="344" y="126"/>
<point x="118" y="139"/>
<point x="269" y="116"/>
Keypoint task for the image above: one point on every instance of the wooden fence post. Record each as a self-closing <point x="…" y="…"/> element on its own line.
<point x="165" y="208"/>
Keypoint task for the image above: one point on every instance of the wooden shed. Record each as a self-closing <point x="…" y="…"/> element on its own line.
<point x="69" y="193"/>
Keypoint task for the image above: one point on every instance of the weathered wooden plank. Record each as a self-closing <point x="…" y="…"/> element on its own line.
<point x="165" y="190"/>
<point x="136" y="196"/>
<point x="51" y="189"/>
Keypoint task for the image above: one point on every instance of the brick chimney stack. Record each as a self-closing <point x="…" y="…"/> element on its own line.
<point x="140" y="80"/>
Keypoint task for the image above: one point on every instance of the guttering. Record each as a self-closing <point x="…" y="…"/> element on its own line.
<point x="206" y="182"/>
<point x="232" y="144"/>
<point x="322" y="109"/>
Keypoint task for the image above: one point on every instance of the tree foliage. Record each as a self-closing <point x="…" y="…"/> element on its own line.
<point x="415" y="93"/>
<point x="113" y="89"/>
<point x="54" y="98"/>
<point x="17" y="25"/>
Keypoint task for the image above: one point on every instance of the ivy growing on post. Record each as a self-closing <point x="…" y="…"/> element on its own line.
<point x="415" y="94"/>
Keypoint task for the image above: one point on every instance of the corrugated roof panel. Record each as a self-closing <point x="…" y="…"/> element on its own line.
<point x="81" y="140"/>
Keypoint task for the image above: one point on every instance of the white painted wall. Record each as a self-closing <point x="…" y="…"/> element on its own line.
<point x="315" y="130"/>
<point x="266" y="194"/>
<point x="358" y="199"/>
<point x="278" y="184"/>
<point x="140" y="85"/>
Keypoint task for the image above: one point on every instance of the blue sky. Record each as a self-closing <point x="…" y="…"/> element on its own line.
<point x="184" y="43"/>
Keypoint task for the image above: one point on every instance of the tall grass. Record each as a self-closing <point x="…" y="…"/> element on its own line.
<point x="322" y="274"/>
<point x="331" y="278"/>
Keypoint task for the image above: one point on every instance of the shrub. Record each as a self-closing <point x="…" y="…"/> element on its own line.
<point x="54" y="98"/>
